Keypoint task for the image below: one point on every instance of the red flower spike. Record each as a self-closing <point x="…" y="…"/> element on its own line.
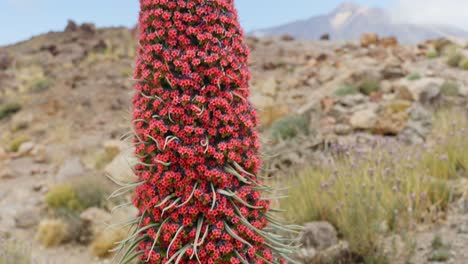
<point x="198" y="197"/>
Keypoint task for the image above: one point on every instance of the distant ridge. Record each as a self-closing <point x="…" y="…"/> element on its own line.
<point x="350" y="20"/>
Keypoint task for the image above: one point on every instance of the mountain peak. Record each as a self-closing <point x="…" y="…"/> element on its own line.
<point x="345" y="12"/>
<point x="348" y="6"/>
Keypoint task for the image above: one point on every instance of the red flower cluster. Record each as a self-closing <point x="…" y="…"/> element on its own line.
<point x="199" y="200"/>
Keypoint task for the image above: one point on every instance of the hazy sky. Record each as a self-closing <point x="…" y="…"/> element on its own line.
<point x="21" y="19"/>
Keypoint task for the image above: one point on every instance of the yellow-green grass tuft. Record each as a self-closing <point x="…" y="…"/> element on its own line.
<point x="52" y="232"/>
<point x="107" y="240"/>
<point x="14" y="252"/>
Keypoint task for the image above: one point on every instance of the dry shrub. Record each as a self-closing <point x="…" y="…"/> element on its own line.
<point x="52" y="232"/>
<point x="271" y="114"/>
<point x="105" y="241"/>
<point x="104" y="157"/>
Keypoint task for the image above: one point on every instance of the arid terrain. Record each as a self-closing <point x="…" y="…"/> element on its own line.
<point x="65" y="100"/>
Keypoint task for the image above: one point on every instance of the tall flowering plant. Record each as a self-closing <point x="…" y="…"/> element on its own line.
<point x="198" y="195"/>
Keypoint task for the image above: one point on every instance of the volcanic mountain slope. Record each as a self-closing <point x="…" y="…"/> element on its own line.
<point x="349" y="21"/>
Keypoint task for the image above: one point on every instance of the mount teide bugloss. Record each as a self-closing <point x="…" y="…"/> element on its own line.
<point x="349" y="21"/>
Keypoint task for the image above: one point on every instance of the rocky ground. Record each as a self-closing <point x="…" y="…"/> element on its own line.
<point x="65" y="98"/>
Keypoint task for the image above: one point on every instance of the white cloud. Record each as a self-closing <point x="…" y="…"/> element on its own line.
<point x="444" y="12"/>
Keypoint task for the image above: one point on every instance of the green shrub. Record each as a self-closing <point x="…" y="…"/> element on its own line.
<point x="454" y="58"/>
<point x="346" y="90"/>
<point x="40" y="84"/>
<point x="464" y="64"/>
<point x="440" y="255"/>
<point x="16" y="143"/>
<point x="289" y="127"/>
<point x="14" y="252"/>
<point x="414" y="77"/>
<point x="441" y="251"/>
<point x="63" y="197"/>
<point x="369" y="86"/>
<point x="437" y="242"/>
<point x="376" y="259"/>
<point x="8" y="109"/>
<point x="449" y="89"/>
<point x="78" y="195"/>
<point x="432" y="54"/>
<point x="91" y="192"/>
